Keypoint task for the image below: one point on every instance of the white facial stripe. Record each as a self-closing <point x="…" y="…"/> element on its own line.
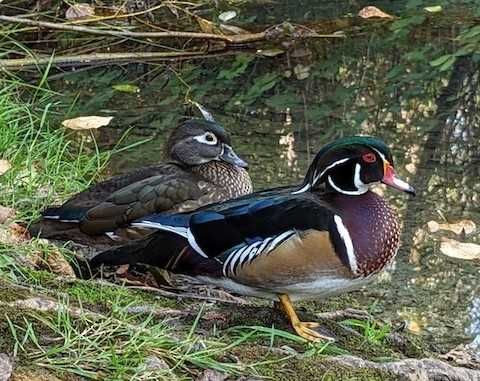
<point x="359" y="184"/>
<point x="329" y="167"/>
<point x="347" y="240"/>
<point x="317" y="177"/>
<point x="380" y="154"/>
<point x="207" y="138"/>
<point x="361" y="187"/>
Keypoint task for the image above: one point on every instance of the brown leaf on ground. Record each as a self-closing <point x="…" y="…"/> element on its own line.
<point x="13" y="234"/>
<point x="53" y="261"/>
<point x="78" y="11"/>
<point x="6" y="367"/>
<point x="87" y="122"/>
<point x="373" y="12"/>
<point x="6" y="214"/>
<point x="4" y="166"/>
<point x="205" y="25"/>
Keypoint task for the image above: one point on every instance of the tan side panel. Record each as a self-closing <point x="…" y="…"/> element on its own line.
<point x="304" y="257"/>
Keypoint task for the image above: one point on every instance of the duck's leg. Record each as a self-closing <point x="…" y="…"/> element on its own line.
<point x="303" y="329"/>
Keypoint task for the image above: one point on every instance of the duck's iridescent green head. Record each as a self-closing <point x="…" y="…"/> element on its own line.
<point x="349" y="165"/>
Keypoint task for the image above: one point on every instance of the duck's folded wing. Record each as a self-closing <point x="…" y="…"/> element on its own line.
<point x="74" y="209"/>
<point x="152" y="195"/>
<point x="241" y="229"/>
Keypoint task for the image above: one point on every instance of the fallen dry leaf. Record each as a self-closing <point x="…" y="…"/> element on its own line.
<point x="6" y="213"/>
<point x="460" y="250"/>
<point x="205" y="25"/>
<point x="52" y="261"/>
<point x="373" y="12"/>
<point x="4" y="166"/>
<point x="78" y="11"/>
<point x="87" y="122"/>
<point x="467" y="226"/>
<point x="13" y="234"/>
<point x="6" y="367"/>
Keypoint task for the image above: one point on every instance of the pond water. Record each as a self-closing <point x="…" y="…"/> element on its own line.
<point x="280" y="110"/>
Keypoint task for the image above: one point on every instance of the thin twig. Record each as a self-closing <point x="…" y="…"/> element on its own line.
<point x="169" y="294"/>
<point x="16" y="63"/>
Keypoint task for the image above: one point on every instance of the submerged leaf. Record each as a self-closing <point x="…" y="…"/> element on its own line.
<point x="440" y="60"/>
<point x="434" y="9"/>
<point x="126" y="88"/>
<point x="87" y="122"/>
<point x="4" y="166"/>
<point x="227" y="16"/>
<point x="460" y="250"/>
<point x="80" y="10"/>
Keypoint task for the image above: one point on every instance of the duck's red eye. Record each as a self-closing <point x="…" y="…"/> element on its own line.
<point x="369" y="157"/>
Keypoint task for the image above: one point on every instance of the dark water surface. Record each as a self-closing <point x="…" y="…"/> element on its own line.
<point x="281" y="110"/>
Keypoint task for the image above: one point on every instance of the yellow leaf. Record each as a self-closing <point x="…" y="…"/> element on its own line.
<point x="205" y="25"/>
<point x="87" y="122"/>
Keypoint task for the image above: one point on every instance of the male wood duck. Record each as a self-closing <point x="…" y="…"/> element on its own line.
<point x="328" y="236"/>
<point x="202" y="168"/>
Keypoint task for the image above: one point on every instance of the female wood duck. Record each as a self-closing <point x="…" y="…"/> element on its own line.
<point x="202" y="168"/>
<point x="328" y="236"/>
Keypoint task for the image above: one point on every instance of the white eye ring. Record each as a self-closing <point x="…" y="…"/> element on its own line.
<point x="207" y="138"/>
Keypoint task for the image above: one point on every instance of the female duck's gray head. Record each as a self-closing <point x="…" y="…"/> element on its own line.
<point x="198" y="141"/>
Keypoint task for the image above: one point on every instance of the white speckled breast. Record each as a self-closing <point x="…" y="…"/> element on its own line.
<point x="233" y="180"/>
<point x="373" y="227"/>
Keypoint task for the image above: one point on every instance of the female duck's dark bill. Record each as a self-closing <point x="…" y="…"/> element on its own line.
<point x="390" y="178"/>
<point x="228" y="155"/>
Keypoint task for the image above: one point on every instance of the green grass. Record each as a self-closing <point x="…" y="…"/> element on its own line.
<point x="116" y="347"/>
<point x="47" y="164"/>
<point x="373" y="332"/>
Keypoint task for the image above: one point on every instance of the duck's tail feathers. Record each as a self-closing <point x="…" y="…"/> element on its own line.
<point x="158" y="249"/>
<point x="62" y="214"/>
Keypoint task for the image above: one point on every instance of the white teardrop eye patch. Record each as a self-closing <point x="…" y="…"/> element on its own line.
<point x="207" y="138"/>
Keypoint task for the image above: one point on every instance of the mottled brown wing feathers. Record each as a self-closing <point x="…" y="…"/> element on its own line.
<point x="153" y="195"/>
